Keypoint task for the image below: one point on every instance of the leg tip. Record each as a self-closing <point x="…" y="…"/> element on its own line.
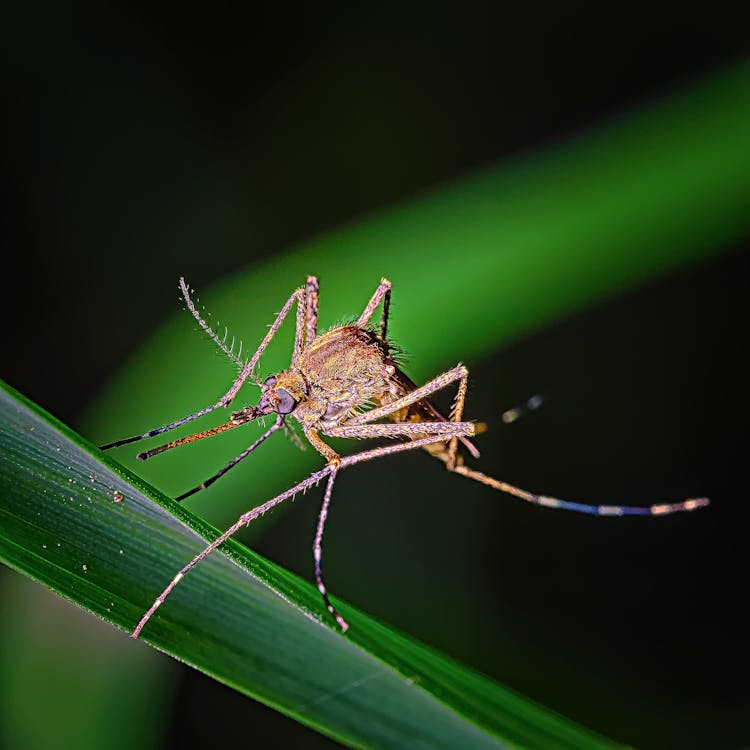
<point x="698" y="502"/>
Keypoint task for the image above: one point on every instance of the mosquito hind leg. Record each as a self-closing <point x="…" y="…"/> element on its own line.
<point x="659" y="509"/>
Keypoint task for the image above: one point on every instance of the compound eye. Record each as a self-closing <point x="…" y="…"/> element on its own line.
<point x="270" y="381"/>
<point x="286" y="403"/>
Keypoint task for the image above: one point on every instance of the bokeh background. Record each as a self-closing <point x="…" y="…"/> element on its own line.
<point x="147" y="143"/>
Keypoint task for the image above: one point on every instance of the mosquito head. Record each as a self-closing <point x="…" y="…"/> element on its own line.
<point x="281" y="393"/>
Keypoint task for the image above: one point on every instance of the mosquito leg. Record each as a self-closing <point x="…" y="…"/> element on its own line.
<point x="448" y="430"/>
<point x="243" y="520"/>
<point x="294" y="437"/>
<point x="325" y="450"/>
<point x="457" y="412"/>
<point x="418" y="394"/>
<point x="247" y="518"/>
<point x="311" y="304"/>
<point x="165" y="428"/>
<point x="300" y="326"/>
<point x="517" y="412"/>
<point x="202" y="486"/>
<point x="387" y="450"/>
<point x="383" y="292"/>
<point x="459" y="373"/>
<point x="317" y="550"/>
<point x="595" y="510"/>
<point x="384" y="317"/>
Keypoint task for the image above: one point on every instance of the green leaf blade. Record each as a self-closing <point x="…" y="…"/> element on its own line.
<point x="90" y="530"/>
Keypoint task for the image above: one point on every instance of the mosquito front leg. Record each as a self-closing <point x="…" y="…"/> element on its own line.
<point x="383" y="292"/>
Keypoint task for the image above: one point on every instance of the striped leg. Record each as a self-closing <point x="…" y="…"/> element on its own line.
<point x="594" y="510"/>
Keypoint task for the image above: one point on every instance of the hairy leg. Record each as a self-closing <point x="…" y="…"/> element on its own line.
<point x="448" y="430"/>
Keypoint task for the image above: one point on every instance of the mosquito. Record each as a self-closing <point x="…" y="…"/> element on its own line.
<point x="343" y="383"/>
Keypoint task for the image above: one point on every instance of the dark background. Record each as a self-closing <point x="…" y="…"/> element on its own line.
<point x="144" y="143"/>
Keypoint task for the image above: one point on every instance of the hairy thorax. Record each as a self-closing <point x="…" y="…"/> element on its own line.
<point x="340" y="373"/>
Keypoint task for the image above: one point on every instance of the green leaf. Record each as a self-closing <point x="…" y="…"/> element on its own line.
<point x="79" y="523"/>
